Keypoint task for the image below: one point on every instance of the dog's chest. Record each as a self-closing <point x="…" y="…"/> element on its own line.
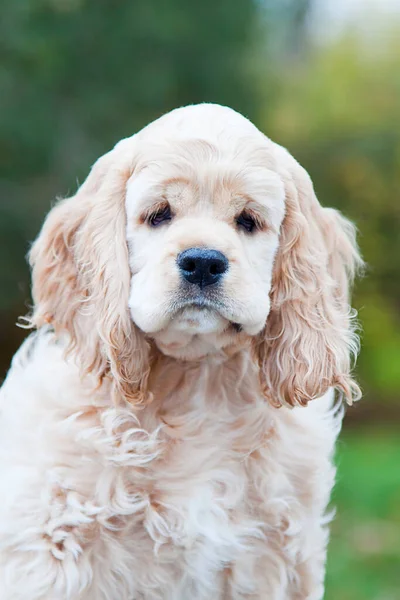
<point x="185" y="495"/>
<point x="199" y="508"/>
<point x="200" y="494"/>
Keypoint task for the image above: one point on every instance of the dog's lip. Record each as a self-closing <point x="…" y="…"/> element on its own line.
<point x="204" y="303"/>
<point x="200" y="302"/>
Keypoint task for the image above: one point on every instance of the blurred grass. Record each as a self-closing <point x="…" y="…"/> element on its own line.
<point x="364" y="552"/>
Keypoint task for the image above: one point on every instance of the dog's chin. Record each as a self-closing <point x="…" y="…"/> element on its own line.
<point x="195" y="332"/>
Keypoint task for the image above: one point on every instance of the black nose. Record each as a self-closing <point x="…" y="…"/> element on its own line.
<point x="202" y="266"/>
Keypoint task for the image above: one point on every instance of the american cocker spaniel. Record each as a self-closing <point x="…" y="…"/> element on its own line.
<point x="167" y="432"/>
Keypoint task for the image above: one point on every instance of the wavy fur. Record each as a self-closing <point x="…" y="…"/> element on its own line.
<point x="310" y="336"/>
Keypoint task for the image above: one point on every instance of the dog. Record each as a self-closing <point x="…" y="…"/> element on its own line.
<point x="167" y="431"/>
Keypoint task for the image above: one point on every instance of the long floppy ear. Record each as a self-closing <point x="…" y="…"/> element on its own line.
<point x="81" y="279"/>
<point x="309" y="339"/>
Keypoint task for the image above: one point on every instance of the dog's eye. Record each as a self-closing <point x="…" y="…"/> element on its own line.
<point x="161" y="215"/>
<point x="246" y="221"/>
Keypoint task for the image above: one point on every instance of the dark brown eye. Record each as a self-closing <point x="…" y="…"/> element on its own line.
<point x="246" y="221"/>
<point x="161" y="215"/>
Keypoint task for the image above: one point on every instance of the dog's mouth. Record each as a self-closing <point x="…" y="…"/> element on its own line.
<point x="198" y="299"/>
<point x="204" y="305"/>
<point x="200" y="323"/>
<point x="204" y="301"/>
<point x="195" y="330"/>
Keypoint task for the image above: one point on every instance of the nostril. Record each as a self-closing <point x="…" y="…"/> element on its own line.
<point x="217" y="267"/>
<point x="214" y="269"/>
<point x="190" y="266"/>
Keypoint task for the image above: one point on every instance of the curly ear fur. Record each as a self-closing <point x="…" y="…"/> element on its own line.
<point x="81" y="280"/>
<point x="309" y="338"/>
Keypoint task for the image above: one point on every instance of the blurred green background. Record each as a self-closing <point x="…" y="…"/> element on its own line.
<point x="321" y="77"/>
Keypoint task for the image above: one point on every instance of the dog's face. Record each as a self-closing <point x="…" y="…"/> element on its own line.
<point x="195" y="235"/>
<point x="202" y="231"/>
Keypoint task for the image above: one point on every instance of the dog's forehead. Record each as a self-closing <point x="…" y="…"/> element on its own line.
<point x="204" y="155"/>
<point x="201" y="121"/>
<point x="211" y="129"/>
<point x="214" y="124"/>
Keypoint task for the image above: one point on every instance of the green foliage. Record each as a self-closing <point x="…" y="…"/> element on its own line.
<point x="339" y="114"/>
<point x="79" y="75"/>
<point x="364" y="552"/>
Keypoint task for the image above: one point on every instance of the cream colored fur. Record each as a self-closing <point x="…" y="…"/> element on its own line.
<point x="153" y="446"/>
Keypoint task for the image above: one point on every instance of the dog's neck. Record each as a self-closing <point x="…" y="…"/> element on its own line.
<point x="217" y="400"/>
<point x="187" y="384"/>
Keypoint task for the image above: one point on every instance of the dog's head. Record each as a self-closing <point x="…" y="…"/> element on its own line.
<point x="195" y="236"/>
